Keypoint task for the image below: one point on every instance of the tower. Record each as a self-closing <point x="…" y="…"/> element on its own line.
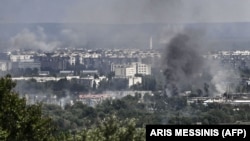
<point x="151" y="43"/>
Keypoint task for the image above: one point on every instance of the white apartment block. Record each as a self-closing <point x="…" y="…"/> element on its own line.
<point x="3" y="66"/>
<point x="21" y="58"/>
<point x="114" y="66"/>
<point x="72" y="60"/>
<point x="130" y="71"/>
<point x="143" y="69"/>
<point x="125" y="70"/>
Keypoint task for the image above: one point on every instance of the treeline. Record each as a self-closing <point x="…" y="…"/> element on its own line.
<point x="151" y="109"/>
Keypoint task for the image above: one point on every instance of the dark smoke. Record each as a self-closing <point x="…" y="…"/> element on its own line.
<point x="185" y="68"/>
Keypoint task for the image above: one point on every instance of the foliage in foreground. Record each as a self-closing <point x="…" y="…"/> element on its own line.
<point x="111" y="129"/>
<point x="18" y="121"/>
<point x="22" y="122"/>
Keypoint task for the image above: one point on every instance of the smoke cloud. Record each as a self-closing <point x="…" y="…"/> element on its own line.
<point x="184" y="63"/>
<point x="140" y="13"/>
<point x="159" y="11"/>
<point x="33" y="40"/>
<point x="120" y="11"/>
<point x="186" y="68"/>
<point x="73" y="38"/>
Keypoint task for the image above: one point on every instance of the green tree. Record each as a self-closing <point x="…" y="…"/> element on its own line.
<point x="3" y="134"/>
<point x="113" y="129"/>
<point x="19" y="121"/>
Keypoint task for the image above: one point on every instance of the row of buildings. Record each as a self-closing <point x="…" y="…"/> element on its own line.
<point x="77" y="60"/>
<point x="81" y="64"/>
<point x="94" y="99"/>
<point x="232" y="59"/>
<point x="130" y="70"/>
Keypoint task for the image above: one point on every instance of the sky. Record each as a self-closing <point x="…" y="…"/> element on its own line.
<point x="124" y="11"/>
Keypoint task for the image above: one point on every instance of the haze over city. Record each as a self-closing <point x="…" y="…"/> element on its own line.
<point x="123" y="12"/>
<point x="87" y="67"/>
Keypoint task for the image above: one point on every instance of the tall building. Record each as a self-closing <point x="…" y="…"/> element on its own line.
<point x="151" y="43"/>
<point x="143" y="69"/>
<point x="5" y="65"/>
<point x="125" y="70"/>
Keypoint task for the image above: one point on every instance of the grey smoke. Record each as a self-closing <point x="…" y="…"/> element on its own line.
<point x="186" y="68"/>
<point x="159" y="11"/>
<point x="113" y="12"/>
<point x="184" y="63"/>
<point x="124" y="11"/>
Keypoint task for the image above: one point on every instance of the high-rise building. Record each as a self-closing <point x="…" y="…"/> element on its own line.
<point x="151" y="43"/>
<point x="130" y="70"/>
<point x="143" y="69"/>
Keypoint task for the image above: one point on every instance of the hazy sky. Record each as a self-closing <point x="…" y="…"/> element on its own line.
<point x="124" y="11"/>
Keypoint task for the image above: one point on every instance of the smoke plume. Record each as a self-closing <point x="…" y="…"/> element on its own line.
<point x="33" y="40"/>
<point x="186" y="68"/>
<point x="183" y="63"/>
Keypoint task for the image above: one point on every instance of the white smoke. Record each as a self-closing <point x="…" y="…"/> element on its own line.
<point x="65" y="100"/>
<point x="33" y="40"/>
<point x="222" y="78"/>
<point x="74" y="38"/>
